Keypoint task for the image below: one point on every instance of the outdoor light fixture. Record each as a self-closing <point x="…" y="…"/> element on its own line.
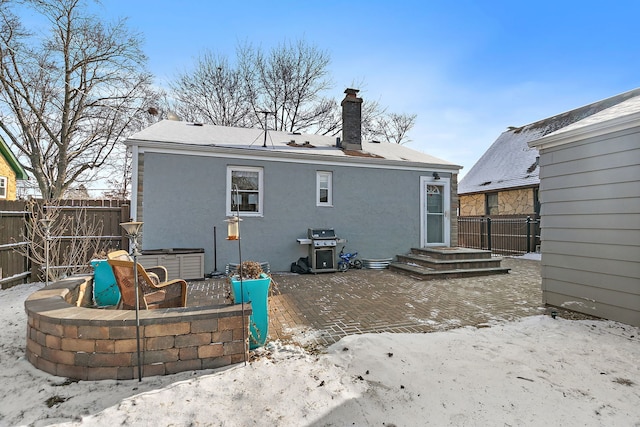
<point x="436" y="176"/>
<point x="132" y="229"/>
<point x="46" y="225"/>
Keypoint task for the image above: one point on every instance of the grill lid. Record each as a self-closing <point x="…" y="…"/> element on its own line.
<point x="321" y="233"/>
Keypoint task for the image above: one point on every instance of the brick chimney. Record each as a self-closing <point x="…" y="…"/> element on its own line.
<point x="351" y="120"/>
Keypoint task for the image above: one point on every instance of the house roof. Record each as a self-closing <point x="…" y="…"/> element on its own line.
<point x="189" y="136"/>
<point x="12" y="160"/>
<point x="619" y="117"/>
<point x="511" y="162"/>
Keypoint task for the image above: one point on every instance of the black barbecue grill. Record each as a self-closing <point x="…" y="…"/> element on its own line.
<point x="322" y="250"/>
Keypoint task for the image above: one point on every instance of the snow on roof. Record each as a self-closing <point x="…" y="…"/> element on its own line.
<point x="511" y="163"/>
<point x="625" y="108"/>
<point x="176" y="132"/>
<point x="508" y="163"/>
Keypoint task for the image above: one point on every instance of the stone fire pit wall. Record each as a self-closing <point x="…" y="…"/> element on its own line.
<point x="67" y="339"/>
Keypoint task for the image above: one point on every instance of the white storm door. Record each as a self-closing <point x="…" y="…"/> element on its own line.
<point x="434" y="211"/>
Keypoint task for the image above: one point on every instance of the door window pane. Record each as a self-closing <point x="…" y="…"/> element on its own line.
<point x="435" y="214"/>
<point x="435" y="228"/>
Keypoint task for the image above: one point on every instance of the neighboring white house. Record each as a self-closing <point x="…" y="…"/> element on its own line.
<point x="590" y="196"/>
<point x="383" y="198"/>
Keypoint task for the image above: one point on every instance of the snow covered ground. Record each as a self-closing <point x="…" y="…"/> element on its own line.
<point x="537" y="371"/>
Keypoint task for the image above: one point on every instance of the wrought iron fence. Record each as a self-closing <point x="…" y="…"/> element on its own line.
<point x="506" y="235"/>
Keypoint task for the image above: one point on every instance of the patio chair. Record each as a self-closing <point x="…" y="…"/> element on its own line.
<point x="161" y="295"/>
<point x="158" y="273"/>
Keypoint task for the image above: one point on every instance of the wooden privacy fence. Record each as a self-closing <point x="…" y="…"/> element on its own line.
<point x="14" y="267"/>
<point x="15" y="216"/>
<point x="506" y="234"/>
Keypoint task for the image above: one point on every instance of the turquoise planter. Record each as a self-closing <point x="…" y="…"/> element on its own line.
<point x="255" y="291"/>
<point x="105" y="289"/>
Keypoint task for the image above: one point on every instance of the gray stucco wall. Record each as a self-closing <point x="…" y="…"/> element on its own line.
<point x="377" y="210"/>
<point x="590" y="193"/>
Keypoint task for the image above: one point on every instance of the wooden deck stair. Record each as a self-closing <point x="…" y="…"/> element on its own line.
<point x="447" y="263"/>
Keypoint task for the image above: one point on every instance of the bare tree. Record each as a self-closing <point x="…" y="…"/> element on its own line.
<point x="120" y="182"/>
<point x="288" y="83"/>
<point x="393" y="127"/>
<point x="213" y="92"/>
<point x="68" y="99"/>
<point x="73" y="239"/>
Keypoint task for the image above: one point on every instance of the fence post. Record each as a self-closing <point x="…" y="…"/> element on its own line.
<point x="488" y="233"/>
<point x="529" y="234"/>
<point x="124" y="217"/>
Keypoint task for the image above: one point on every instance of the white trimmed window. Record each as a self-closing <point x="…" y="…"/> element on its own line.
<point x="249" y="197"/>
<point x="3" y="187"/>
<point x="324" y="188"/>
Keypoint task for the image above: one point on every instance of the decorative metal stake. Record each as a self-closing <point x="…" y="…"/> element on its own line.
<point x="233" y="233"/>
<point x="133" y="233"/>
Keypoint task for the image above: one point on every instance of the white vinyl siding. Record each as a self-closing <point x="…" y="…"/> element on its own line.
<point x="590" y="194"/>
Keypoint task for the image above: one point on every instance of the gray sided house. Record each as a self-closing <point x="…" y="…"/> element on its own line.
<point x="383" y="198"/>
<point x="590" y="196"/>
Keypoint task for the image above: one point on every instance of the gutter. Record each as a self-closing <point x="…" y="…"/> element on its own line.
<point x="284" y="156"/>
<point x="566" y="136"/>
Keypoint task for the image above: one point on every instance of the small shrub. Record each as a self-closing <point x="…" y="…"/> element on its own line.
<point x="250" y="270"/>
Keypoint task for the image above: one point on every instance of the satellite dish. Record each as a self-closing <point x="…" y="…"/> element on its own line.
<point x="173" y="116"/>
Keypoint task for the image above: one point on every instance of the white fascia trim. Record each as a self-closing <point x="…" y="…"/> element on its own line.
<point x="589" y="131"/>
<point x="133" y="209"/>
<point x="241" y="154"/>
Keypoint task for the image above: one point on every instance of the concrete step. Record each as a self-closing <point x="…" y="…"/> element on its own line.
<point x="424" y="273"/>
<point x="448" y="264"/>
<point x="447" y="253"/>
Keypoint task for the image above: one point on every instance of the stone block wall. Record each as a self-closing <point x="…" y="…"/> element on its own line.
<point x="516" y="202"/>
<point x="472" y="205"/>
<point x="510" y="202"/>
<point x="94" y="344"/>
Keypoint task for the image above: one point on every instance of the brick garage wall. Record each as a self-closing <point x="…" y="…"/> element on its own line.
<point x="94" y="344"/>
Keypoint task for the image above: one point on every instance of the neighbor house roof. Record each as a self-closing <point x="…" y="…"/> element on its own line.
<point x="170" y="134"/>
<point x="619" y="117"/>
<point x="511" y="163"/>
<point x="12" y="160"/>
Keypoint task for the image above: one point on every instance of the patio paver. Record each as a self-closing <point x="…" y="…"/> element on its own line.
<point x="318" y="310"/>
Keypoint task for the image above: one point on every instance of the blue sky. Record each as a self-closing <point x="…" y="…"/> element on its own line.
<point x="468" y="69"/>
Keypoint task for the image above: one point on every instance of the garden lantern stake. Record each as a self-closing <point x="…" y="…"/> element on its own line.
<point x="133" y="233"/>
<point x="233" y="233"/>
<point x="46" y="224"/>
